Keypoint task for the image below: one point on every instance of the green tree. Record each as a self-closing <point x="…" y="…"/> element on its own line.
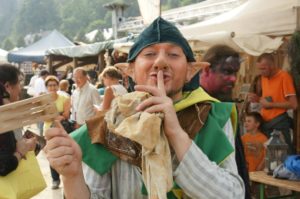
<point x="8" y="13"/>
<point x="37" y="15"/>
<point x="20" y="42"/>
<point x="73" y="18"/>
<point x="97" y="24"/>
<point x="7" y="44"/>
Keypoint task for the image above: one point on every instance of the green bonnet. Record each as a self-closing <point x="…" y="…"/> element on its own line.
<point x="160" y="31"/>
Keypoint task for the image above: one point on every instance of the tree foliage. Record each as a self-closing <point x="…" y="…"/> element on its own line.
<point x="7" y="44"/>
<point x="73" y="18"/>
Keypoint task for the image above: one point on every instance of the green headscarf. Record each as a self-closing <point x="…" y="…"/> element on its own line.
<point x="160" y="31"/>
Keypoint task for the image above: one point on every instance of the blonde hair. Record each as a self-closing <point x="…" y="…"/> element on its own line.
<point x="111" y="72"/>
<point x="51" y="78"/>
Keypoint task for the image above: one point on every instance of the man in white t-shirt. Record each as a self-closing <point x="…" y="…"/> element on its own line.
<point x="39" y="83"/>
<point x="84" y="97"/>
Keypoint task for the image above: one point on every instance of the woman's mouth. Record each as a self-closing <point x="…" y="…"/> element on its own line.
<point x="166" y="76"/>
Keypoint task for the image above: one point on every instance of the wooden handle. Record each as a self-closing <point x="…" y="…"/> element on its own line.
<point x="26" y="112"/>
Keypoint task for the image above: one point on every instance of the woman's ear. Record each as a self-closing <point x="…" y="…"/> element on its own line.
<point x="7" y="89"/>
<point x="127" y="68"/>
<point x="194" y="68"/>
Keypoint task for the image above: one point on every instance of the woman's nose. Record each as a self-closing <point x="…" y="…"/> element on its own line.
<point x="160" y="63"/>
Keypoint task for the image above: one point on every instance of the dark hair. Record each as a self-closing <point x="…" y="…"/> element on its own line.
<point x="44" y="72"/>
<point x="8" y="74"/>
<point x="216" y="54"/>
<point x="8" y="162"/>
<point x="267" y="56"/>
<point x="257" y="117"/>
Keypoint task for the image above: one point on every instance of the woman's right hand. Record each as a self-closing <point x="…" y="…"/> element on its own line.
<point x="62" y="152"/>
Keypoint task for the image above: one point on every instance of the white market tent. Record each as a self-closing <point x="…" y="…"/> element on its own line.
<point x="3" y="55"/>
<point x="248" y="27"/>
<point x="88" y="49"/>
<point x="83" y="55"/>
<point x="36" y="52"/>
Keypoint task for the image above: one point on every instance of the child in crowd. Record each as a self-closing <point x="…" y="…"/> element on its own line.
<point x="111" y="78"/>
<point x="254" y="141"/>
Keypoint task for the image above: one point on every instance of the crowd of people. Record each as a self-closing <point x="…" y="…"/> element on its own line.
<point x="209" y="160"/>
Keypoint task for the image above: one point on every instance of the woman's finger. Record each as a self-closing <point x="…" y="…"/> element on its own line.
<point x="157" y="108"/>
<point x="57" y="142"/>
<point x="61" y="161"/>
<point x="160" y="82"/>
<point x="57" y="131"/>
<point x="149" y="89"/>
<point x="149" y="102"/>
<point x="60" y="151"/>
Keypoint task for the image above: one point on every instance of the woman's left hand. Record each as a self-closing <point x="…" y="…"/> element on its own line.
<point x="26" y="144"/>
<point x="159" y="102"/>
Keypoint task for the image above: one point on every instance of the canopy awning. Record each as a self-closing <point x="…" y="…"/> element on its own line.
<point x="88" y="49"/>
<point x="249" y="27"/>
<point x="37" y="51"/>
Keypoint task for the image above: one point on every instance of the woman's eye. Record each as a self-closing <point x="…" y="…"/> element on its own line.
<point x="173" y="55"/>
<point x="148" y="54"/>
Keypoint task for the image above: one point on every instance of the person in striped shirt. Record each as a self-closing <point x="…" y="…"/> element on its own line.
<point x="160" y="62"/>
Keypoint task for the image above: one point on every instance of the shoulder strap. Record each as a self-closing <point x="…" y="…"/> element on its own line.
<point x="193" y="118"/>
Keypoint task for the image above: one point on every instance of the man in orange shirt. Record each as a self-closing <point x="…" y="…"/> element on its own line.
<point x="278" y="95"/>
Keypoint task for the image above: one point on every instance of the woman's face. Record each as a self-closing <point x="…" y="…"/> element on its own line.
<point x="52" y="86"/>
<point x="168" y="58"/>
<point x="14" y="91"/>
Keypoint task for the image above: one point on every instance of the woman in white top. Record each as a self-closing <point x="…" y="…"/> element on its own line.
<point x="111" y="78"/>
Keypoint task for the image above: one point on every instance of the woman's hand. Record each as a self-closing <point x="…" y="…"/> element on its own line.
<point x="62" y="152"/>
<point x="159" y="102"/>
<point x="24" y="145"/>
<point x="64" y="155"/>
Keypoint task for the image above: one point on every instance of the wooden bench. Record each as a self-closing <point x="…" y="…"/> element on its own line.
<point x="263" y="179"/>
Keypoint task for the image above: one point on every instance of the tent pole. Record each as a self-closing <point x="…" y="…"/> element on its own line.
<point x="296" y="132"/>
<point x="101" y="62"/>
<point x="50" y="63"/>
<point x="298" y="18"/>
<point x="75" y="63"/>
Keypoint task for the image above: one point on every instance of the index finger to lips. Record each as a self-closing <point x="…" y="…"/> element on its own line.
<point x="160" y="81"/>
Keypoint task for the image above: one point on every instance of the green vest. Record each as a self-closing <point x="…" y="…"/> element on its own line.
<point x="217" y="150"/>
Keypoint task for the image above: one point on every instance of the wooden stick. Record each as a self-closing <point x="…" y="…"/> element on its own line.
<point x="26" y="112"/>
